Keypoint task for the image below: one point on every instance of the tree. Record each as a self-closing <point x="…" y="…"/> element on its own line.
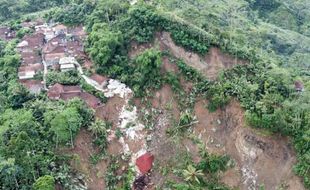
<point x="98" y="128"/>
<point x="46" y="182"/>
<point x="9" y="173"/>
<point x="18" y="94"/>
<point x="103" y="44"/>
<point x="191" y="174"/>
<point x="65" y="125"/>
<point x="147" y="71"/>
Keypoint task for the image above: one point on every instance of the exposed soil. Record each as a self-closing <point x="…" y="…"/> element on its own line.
<point x="161" y="146"/>
<point x="83" y="150"/>
<point x="210" y="64"/>
<point x="218" y="61"/>
<point x="110" y="111"/>
<point x="260" y="160"/>
<point x="137" y="49"/>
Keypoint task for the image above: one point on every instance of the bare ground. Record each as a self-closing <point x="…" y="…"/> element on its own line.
<point x="210" y="64"/>
<point x="83" y="150"/>
<point x="260" y="160"/>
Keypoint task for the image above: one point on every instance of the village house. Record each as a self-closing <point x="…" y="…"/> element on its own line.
<point x="29" y="71"/>
<point x="57" y="41"/>
<point x="59" y="91"/>
<point x="54" y="56"/>
<point x="100" y="80"/>
<point x="46" y="30"/>
<point x="34" y="86"/>
<point x="31" y="43"/>
<point x="29" y="58"/>
<point x="75" y="49"/>
<point x="67" y="63"/>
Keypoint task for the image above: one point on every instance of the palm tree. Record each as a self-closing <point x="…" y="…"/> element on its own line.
<point x="98" y="128"/>
<point x="191" y="174"/>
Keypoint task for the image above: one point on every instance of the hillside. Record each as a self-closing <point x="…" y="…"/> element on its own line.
<point x="158" y="94"/>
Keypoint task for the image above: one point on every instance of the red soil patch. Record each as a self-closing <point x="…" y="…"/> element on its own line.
<point x="110" y="111"/>
<point x="83" y="150"/>
<point x="137" y="49"/>
<point x="168" y="66"/>
<point x="211" y="64"/>
<point x="218" y="61"/>
<point x="161" y="146"/>
<point x="259" y="159"/>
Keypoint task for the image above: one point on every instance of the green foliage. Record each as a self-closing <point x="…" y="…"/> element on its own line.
<point x="12" y="9"/>
<point x="191" y="174"/>
<point x="22" y="32"/>
<point x="147" y="72"/>
<point x="66" y="78"/>
<point x="99" y="131"/>
<point x="73" y="14"/>
<point x="111" y="177"/>
<point x="65" y="125"/>
<point x="108" y="12"/>
<point x="187" y="119"/>
<point x="104" y="44"/>
<point x="142" y="22"/>
<point x="189" y="41"/>
<point x="46" y="182"/>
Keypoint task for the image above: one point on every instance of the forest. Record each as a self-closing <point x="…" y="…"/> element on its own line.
<point x="273" y="36"/>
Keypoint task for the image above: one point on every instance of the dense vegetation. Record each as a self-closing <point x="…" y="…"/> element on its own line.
<point x="12" y="9"/>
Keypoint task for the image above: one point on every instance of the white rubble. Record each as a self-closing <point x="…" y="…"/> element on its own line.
<point x="115" y="87"/>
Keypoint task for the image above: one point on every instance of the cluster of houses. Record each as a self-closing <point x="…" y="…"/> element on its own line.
<point x="52" y="47"/>
<point x="55" y="46"/>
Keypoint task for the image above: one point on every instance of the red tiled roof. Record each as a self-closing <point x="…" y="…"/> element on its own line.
<point x="53" y="56"/>
<point x="69" y="95"/>
<point x="34" y="86"/>
<point x="91" y="100"/>
<point x="69" y="89"/>
<point x="57" y="91"/>
<point x="35" y="40"/>
<point x="98" y="78"/>
<point x="32" y="67"/>
<point x="54" y="45"/>
<point x="60" y="27"/>
<point x="30" y="58"/>
<point x="145" y="162"/>
<point x="77" y="31"/>
<point x="64" y="92"/>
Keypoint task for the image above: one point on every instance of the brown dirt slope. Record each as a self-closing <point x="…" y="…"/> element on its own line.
<point x="260" y="160"/>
